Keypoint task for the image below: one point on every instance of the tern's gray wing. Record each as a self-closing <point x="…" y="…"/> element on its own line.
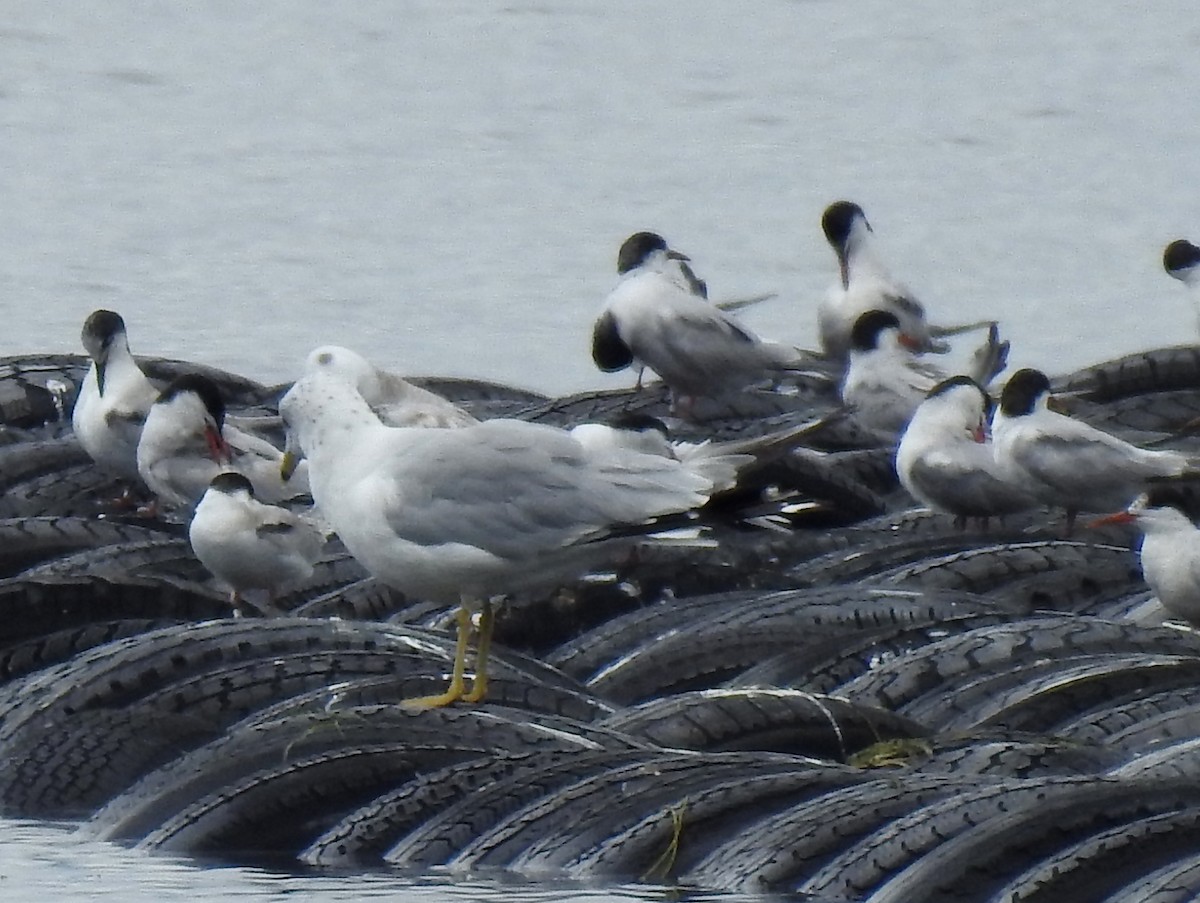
<point x="696" y="348"/>
<point x="126" y="424"/>
<point x="730" y="305"/>
<point x="250" y="444"/>
<point x="290" y="533"/>
<point x="125" y="416"/>
<point x="923" y="375"/>
<point x="1089" y="468"/>
<point x="906" y="303"/>
<point x="964" y="485"/>
<point x="912" y="319"/>
<point x="402" y="403"/>
<point x="907" y="381"/>
<point x="517" y="490"/>
<point x="707" y="321"/>
<point x="179" y="480"/>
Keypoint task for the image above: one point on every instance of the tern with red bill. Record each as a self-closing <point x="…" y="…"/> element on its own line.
<point x="945" y="457"/>
<point x="865" y="284"/>
<point x="1170" y="549"/>
<point x="886" y="379"/>
<point x="186" y="442"/>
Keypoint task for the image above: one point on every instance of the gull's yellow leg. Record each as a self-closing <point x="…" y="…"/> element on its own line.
<point x="487" y="621"/>
<point x="455" y="691"/>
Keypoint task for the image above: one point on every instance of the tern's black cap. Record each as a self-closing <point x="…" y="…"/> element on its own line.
<point x="1180" y="254"/>
<point x="636" y="248"/>
<point x="865" y="334"/>
<point x="838" y="219"/>
<point x="1022" y="391"/>
<point x="199" y="385"/>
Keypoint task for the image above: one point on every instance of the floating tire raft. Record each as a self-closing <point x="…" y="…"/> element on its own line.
<point x="871" y="705"/>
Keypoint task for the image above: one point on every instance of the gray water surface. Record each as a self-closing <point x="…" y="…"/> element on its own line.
<point x="50" y="863"/>
<point x="443" y="185"/>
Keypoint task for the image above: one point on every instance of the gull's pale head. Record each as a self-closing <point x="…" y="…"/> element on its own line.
<point x="321" y="408"/>
<point x="636" y="432"/>
<point x="347" y="365"/>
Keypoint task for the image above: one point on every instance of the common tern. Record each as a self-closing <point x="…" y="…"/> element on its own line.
<point x="185" y="443"/>
<point x="886" y="379"/>
<point x="945" y="458"/>
<point x="249" y="545"/>
<point x="1170" y="549"/>
<point x="1067" y="463"/>
<point x="114" y="398"/>
<point x="654" y="318"/>
<point x="865" y="284"/>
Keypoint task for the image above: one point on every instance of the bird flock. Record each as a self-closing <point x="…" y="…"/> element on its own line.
<point x="746" y="495"/>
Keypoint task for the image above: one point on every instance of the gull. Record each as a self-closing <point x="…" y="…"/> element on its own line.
<point x="465" y="515"/>
<point x="114" y="398"/>
<point x="865" y="284"/>
<point x="185" y="443"/>
<point x="946" y="461"/>
<point x="399" y="403"/>
<point x="395" y="400"/>
<point x="886" y="379"/>
<point x="653" y="318"/>
<point x="1064" y="462"/>
<point x="250" y="545"/>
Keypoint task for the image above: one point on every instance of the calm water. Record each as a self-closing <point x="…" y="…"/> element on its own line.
<point x="443" y="185"/>
<point x="444" y="189"/>
<point x="52" y="862"/>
